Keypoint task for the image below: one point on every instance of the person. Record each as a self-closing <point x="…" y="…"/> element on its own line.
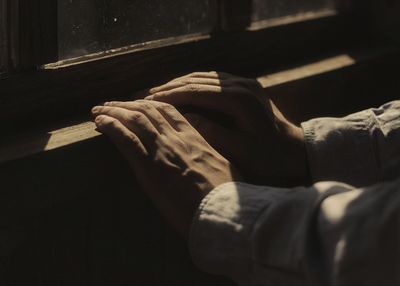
<point x="339" y="226"/>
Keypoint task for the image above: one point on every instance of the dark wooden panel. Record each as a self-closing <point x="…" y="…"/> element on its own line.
<point x="75" y="216"/>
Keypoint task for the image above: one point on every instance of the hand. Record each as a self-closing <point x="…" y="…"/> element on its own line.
<point x="266" y="148"/>
<point x="174" y="165"/>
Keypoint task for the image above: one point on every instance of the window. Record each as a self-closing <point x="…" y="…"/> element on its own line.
<point x="49" y="31"/>
<point x="90" y="26"/>
<point x="64" y="56"/>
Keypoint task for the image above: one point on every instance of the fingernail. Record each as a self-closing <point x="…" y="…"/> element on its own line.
<point x="150" y="97"/>
<point x="98" y="119"/>
<point x="95" y="109"/>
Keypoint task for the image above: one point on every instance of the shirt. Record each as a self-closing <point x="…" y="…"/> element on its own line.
<point x="343" y="230"/>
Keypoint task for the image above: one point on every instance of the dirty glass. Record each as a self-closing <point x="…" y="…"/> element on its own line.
<point x="272" y="9"/>
<point x="89" y="26"/>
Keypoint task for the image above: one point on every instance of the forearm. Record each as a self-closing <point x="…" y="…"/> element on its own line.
<point x="360" y="149"/>
<point x="303" y="236"/>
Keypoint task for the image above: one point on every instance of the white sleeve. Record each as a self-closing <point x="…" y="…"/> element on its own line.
<point x="360" y="149"/>
<point x="328" y="234"/>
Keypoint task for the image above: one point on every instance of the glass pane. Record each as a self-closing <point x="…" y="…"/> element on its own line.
<point x="271" y="9"/>
<point x="89" y="26"/>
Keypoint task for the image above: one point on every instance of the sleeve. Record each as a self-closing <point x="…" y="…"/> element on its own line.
<point x="360" y="149"/>
<point x="327" y="234"/>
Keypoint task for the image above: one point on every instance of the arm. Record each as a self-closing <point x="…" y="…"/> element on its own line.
<point x="281" y="236"/>
<point x="360" y="149"/>
<point x="328" y="234"/>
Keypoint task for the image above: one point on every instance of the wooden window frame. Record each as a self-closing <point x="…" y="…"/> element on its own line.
<point x="34" y="93"/>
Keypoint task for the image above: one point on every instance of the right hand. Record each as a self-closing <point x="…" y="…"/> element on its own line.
<point x="174" y="165"/>
<point x="265" y="147"/>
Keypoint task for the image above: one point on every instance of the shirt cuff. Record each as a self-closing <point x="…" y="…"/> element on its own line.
<point x="342" y="149"/>
<point x="220" y="230"/>
<point x="226" y="233"/>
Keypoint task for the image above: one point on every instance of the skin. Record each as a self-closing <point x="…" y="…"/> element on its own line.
<point x="174" y="164"/>
<point x="169" y="152"/>
<point x="265" y="147"/>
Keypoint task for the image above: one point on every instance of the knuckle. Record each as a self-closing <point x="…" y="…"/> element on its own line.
<point x="135" y="116"/>
<point x="144" y="105"/>
<point x="166" y="106"/>
<point x="188" y="81"/>
<point x="109" y="122"/>
<point x="139" y="101"/>
<point x="191" y="87"/>
<point x="175" y="143"/>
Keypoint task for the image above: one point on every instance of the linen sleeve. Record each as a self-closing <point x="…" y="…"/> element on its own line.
<point x="360" y="149"/>
<point x="328" y="234"/>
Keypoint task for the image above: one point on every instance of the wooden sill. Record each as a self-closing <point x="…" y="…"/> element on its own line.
<point x="286" y="88"/>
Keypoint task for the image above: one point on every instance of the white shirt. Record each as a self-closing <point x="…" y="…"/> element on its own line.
<point x="343" y="230"/>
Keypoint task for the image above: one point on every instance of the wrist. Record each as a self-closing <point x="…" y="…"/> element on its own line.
<point x="293" y="145"/>
<point x="300" y="158"/>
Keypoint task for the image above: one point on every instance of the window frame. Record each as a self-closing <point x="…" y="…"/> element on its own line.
<point x="35" y="93"/>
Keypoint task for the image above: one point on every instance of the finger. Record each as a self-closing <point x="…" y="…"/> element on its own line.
<point x="212" y="75"/>
<point x="136" y="122"/>
<point x="126" y="141"/>
<point x="229" y="101"/>
<point x="149" y="109"/>
<point x="209" y="75"/>
<point x="206" y="75"/>
<point x="187" y="81"/>
<point x="208" y="78"/>
<point x="220" y="138"/>
<point x="174" y="117"/>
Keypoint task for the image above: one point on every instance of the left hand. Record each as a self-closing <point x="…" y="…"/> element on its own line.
<point x="259" y="141"/>
<point x="174" y="164"/>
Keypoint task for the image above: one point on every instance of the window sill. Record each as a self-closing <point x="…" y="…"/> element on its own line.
<point x="296" y="90"/>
